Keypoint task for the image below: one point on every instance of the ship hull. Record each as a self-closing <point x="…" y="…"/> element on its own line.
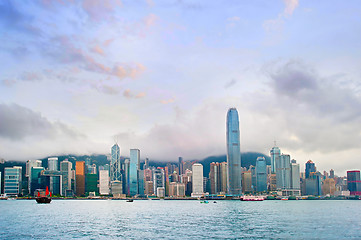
<point x="43" y="200"/>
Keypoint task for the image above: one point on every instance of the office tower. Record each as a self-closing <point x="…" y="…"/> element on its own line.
<point x="135" y="157"/>
<point x="253" y="177"/>
<point x="80" y="178"/>
<point x="313" y="184"/>
<point x="354" y="182"/>
<point x="233" y="153"/>
<point x="103" y="182"/>
<point x="295" y="175"/>
<point x="215" y="178"/>
<point x="247" y="182"/>
<point x="283" y="172"/>
<point x="53" y="163"/>
<point x="261" y="174"/>
<point x="332" y="173"/>
<point x="65" y="169"/>
<point x="158" y="179"/>
<point x="126" y="177"/>
<point x="35" y="179"/>
<point x="141" y="182"/>
<point x="116" y="188"/>
<point x="115" y="173"/>
<point x="180" y="165"/>
<point x="161" y="192"/>
<point x="13" y="180"/>
<point x="275" y="156"/>
<point x="148" y="174"/>
<point x="146" y="163"/>
<point x="176" y="189"/>
<point x="30" y="164"/>
<point x="148" y="188"/>
<point x="197" y="180"/>
<point x="310" y="168"/>
<point x="91" y="183"/>
<point x="272" y="182"/>
<point x="223" y="173"/>
<point x="166" y="174"/>
<point x="134" y="166"/>
<point x="328" y="186"/>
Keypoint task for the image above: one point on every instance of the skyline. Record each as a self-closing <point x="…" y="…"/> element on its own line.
<point x="160" y="77"/>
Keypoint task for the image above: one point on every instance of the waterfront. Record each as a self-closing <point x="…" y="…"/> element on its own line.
<point x="145" y="219"/>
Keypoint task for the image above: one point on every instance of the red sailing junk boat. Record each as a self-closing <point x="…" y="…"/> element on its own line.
<point x="44" y="198"/>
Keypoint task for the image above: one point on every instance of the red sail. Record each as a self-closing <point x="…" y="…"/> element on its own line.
<point x="47" y="191"/>
<point x="38" y="194"/>
<point x="50" y="194"/>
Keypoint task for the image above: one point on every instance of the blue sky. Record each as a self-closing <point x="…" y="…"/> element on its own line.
<point x="160" y="76"/>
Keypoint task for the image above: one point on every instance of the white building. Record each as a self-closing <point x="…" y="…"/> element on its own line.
<point x="103" y="182"/>
<point x="30" y="164"/>
<point x="53" y="163"/>
<point x="197" y="180"/>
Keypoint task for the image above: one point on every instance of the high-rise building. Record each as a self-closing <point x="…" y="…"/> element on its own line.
<point x="313" y="184"/>
<point x="310" y="168"/>
<point x="295" y="175"/>
<point x="103" y="182"/>
<point x="146" y="163"/>
<point x="134" y="166"/>
<point x="13" y="180"/>
<point x="223" y="178"/>
<point x="115" y="166"/>
<point x="332" y="173"/>
<point x="30" y="164"/>
<point x="91" y="183"/>
<point x="275" y="156"/>
<point x="328" y="187"/>
<point x="80" y="178"/>
<point x="180" y="165"/>
<point x="176" y="189"/>
<point x="283" y="172"/>
<point x="215" y="177"/>
<point x="197" y="180"/>
<point x="354" y="182"/>
<point x="158" y="179"/>
<point x="149" y="188"/>
<point x="53" y="164"/>
<point x="247" y="181"/>
<point x="261" y="174"/>
<point x="65" y="169"/>
<point x="233" y="153"/>
<point x="35" y="179"/>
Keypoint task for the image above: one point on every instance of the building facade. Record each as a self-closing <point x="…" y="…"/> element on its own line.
<point x="234" y="177"/>
<point x="197" y="180"/>
<point x="261" y="174"/>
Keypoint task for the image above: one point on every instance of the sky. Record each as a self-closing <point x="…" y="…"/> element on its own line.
<point x="160" y="76"/>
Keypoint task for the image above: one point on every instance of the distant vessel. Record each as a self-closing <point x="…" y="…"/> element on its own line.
<point x="284" y="198"/>
<point x="252" y="198"/>
<point x="205" y="201"/>
<point x="130" y="200"/>
<point x="44" y="198"/>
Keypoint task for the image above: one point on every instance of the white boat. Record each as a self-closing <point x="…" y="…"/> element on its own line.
<point x="252" y="198"/>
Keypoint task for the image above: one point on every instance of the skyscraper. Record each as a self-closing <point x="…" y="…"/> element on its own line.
<point x="234" y="177"/>
<point x="103" y="182"/>
<point x="53" y="163"/>
<point x="115" y="173"/>
<point x="65" y="169"/>
<point x="283" y="172"/>
<point x="310" y="168"/>
<point x="354" y="182"/>
<point x="134" y="167"/>
<point x="261" y="174"/>
<point x="295" y="175"/>
<point x="80" y="178"/>
<point x="197" y="180"/>
<point x="12" y="180"/>
<point x="30" y="164"/>
<point x="275" y="156"/>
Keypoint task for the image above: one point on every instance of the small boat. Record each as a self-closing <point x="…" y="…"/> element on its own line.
<point x="252" y="198"/>
<point x="284" y="198"/>
<point x="44" y="198"/>
<point x="215" y="202"/>
<point x="130" y="200"/>
<point x="205" y="201"/>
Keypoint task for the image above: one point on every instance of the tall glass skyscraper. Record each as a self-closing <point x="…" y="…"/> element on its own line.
<point x="261" y="174"/>
<point x="234" y="176"/>
<point x="275" y="157"/>
<point x="115" y="174"/>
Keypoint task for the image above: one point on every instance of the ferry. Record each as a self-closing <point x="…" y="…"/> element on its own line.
<point x="252" y="198"/>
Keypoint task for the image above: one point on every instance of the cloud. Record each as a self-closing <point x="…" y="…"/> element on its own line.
<point x="97" y="49"/>
<point x="150" y="20"/>
<point x="234" y="19"/>
<point x="291" y="5"/>
<point x="230" y="83"/>
<point x="128" y="94"/>
<point x="167" y="101"/>
<point x="126" y="70"/>
<point x="18" y="122"/>
<point x="150" y="3"/>
<point x="100" y="10"/>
